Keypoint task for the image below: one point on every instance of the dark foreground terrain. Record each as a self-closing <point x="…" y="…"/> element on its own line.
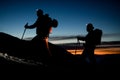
<point x="105" y="63"/>
<point x="61" y="61"/>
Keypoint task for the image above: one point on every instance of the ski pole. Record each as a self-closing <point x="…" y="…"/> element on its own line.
<point x="23" y="33"/>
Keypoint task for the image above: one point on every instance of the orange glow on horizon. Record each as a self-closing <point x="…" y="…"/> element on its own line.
<point x="99" y="51"/>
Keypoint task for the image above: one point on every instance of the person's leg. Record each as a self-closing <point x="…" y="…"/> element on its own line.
<point x="92" y="56"/>
<point x="85" y="55"/>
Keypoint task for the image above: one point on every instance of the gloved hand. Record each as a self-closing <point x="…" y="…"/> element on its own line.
<point x="80" y="38"/>
<point x="26" y="25"/>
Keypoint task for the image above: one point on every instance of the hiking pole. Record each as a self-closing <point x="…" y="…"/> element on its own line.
<point x="78" y="42"/>
<point x="76" y="46"/>
<point x="24" y="31"/>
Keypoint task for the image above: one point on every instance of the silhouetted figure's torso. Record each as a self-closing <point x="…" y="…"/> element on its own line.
<point x="89" y="46"/>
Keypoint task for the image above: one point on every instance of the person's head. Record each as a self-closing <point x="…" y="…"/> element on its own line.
<point x="39" y="12"/>
<point x="89" y="27"/>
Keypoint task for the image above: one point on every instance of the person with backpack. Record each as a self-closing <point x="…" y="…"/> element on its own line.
<point x="43" y="25"/>
<point x="92" y="39"/>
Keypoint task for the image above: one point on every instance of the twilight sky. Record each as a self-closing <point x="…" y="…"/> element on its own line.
<point x="72" y="15"/>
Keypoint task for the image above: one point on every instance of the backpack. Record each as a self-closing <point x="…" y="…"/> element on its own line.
<point x="97" y="36"/>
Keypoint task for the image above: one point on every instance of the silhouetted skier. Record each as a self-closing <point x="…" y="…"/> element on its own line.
<point x="91" y="40"/>
<point x="43" y="27"/>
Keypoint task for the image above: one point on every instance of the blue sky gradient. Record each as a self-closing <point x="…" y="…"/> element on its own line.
<point x="72" y="16"/>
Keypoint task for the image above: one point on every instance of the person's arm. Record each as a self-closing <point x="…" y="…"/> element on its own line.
<point x="80" y="38"/>
<point x="31" y="26"/>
